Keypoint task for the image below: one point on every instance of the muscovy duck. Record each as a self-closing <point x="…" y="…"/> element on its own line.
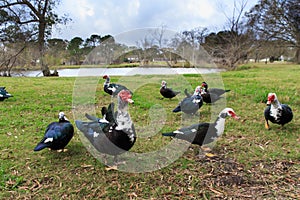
<point x="57" y="135"/>
<point x="191" y="103"/>
<point x="277" y="113"/>
<point x="4" y="94"/>
<point x="203" y="133"/>
<point x="115" y="133"/>
<point x="113" y="88"/>
<point x="211" y="95"/>
<point x="167" y="92"/>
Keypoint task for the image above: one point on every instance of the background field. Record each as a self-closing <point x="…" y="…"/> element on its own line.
<point x="250" y="162"/>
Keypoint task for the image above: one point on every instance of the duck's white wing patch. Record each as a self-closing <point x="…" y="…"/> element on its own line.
<point x="194" y="130"/>
<point x="113" y="89"/>
<point x="103" y="121"/>
<point x="178" y="132"/>
<point x="48" y="140"/>
<point x="96" y="134"/>
<point x="196" y="100"/>
<point x="131" y="137"/>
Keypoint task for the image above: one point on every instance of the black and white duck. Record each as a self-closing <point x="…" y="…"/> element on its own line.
<point x="57" y="135"/>
<point x="276" y="112"/>
<point x="211" y="95"/>
<point x="191" y="103"/>
<point x="115" y="133"/>
<point x="4" y="94"/>
<point x="204" y="133"/>
<point x="112" y="88"/>
<point x="167" y="92"/>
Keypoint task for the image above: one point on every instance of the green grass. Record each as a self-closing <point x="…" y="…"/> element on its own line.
<point x="251" y="162"/>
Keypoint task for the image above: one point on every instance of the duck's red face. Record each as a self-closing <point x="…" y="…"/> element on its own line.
<point x="105" y="76"/>
<point x="271" y="98"/>
<point x="204" y="86"/>
<point x="232" y="114"/>
<point x="126" y="96"/>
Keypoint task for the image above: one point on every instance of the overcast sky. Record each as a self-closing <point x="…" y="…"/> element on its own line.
<point x="114" y="17"/>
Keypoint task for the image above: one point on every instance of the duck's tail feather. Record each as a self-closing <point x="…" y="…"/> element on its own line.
<point x="170" y="134"/>
<point x="177" y="109"/>
<point x="80" y="126"/>
<point x="40" y="146"/>
<point x="92" y="118"/>
<point x="85" y="126"/>
<point x="90" y="127"/>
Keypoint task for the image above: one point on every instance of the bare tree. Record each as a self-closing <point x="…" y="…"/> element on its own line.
<point x="35" y="17"/>
<point x="277" y="20"/>
<point x="8" y="57"/>
<point x="142" y="52"/>
<point x="161" y="41"/>
<point x="196" y="36"/>
<point x="231" y="46"/>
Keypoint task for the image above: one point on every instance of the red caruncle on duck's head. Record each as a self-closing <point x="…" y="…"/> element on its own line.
<point x="105" y="76"/>
<point x="271" y="98"/>
<point x="126" y="96"/>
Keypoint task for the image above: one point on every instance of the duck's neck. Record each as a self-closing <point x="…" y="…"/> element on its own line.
<point x="220" y="124"/>
<point x="276" y="104"/>
<point x="123" y="120"/>
<point x="64" y="119"/>
<point x="122" y="106"/>
<point x="107" y="81"/>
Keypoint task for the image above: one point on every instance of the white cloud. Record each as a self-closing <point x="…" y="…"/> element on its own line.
<point x="116" y="16"/>
<point x="79" y="10"/>
<point x="201" y="9"/>
<point x="133" y="8"/>
<point x="103" y="25"/>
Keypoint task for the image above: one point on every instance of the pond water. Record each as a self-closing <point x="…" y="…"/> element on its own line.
<point x="130" y="71"/>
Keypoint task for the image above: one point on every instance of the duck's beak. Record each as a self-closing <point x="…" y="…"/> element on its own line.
<point x="234" y="116"/>
<point x="130" y="101"/>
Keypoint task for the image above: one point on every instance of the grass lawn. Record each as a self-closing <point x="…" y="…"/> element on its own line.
<point x="251" y="162"/>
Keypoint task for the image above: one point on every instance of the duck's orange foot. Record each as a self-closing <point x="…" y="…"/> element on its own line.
<point x="114" y="167"/>
<point x="267" y="125"/>
<point x="210" y="155"/>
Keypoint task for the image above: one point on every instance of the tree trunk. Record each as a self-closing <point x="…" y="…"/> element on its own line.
<point x="297" y="55"/>
<point x="45" y="70"/>
<point x="44" y="66"/>
<point x="41" y="40"/>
